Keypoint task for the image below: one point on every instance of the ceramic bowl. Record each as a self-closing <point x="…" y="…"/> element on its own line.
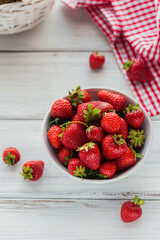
<point x="53" y="153"/>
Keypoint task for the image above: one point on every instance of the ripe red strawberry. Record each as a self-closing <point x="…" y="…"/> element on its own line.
<point x="111" y="122"/>
<point x="131" y="211"/>
<point x="11" y="156"/>
<point x="87" y="112"/>
<point x="136" y="138"/>
<point x="74" y="136"/>
<point x="108" y="169"/>
<point x="96" y="60"/>
<point x="78" y="96"/>
<point x="62" y="109"/>
<point x="76" y="118"/>
<point x="65" y="154"/>
<point x="113" y="146"/>
<point x="103" y="106"/>
<point x="134" y="116"/>
<point x="137" y="70"/>
<point x="126" y="160"/>
<point x="117" y="100"/>
<point x="77" y="168"/>
<point x="90" y="155"/>
<point x="123" y="131"/>
<point x="32" y="170"/>
<point x="94" y="134"/>
<point x="54" y="136"/>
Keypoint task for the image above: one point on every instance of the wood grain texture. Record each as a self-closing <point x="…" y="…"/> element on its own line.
<point x="75" y="220"/>
<point x="63" y="30"/>
<point x="31" y="82"/>
<point x="26" y="136"/>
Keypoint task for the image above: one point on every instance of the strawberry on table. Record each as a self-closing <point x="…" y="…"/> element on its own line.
<point x="74" y="136"/>
<point x="65" y="154"/>
<point x="96" y="60"/>
<point x="32" y="170"/>
<point x="94" y="134"/>
<point x="77" y="168"/>
<point x="131" y="211"/>
<point x="137" y="70"/>
<point x="108" y="169"/>
<point x="90" y="155"/>
<point x="111" y="122"/>
<point x="134" y="116"/>
<point x="78" y="96"/>
<point x="11" y="156"/>
<point x="126" y="160"/>
<point x="116" y="100"/>
<point x="123" y="131"/>
<point x="54" y="136"/>
<point x="62" y="109"/>
<point x="136" y="138"/>
<point x="113" y="146"/>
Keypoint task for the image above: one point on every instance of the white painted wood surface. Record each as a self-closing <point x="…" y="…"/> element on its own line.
<point x="37" y="67"/>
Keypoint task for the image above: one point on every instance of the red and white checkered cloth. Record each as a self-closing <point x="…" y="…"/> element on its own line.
<point x="133" y="29"/>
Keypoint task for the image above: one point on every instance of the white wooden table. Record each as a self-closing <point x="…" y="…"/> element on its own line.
<point x="37" y="67"/>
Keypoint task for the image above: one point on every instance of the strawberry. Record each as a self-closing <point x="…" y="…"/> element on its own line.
<point x="90" y="155"/>
<point x="137" y="70"/>
<point x="134" y="116"/>
<point x="76" y="118"/>
<point x="78" y="96"/>
<point x="11" y="156"/>
<point x="113" y="146"/>
<point x="123" y="131"/>
<point x="103" y="106"/>
<point x="62" y="109"/>
<point x="96" y="60"/>
<point x="32" y="170"/>
<point x="87" y="112"/>
<point x="111" y="122"/>
<point x="136" y="138"/>
<point x="108" y="169"/>
<point x="116" y="100"/>
<point x="74" y="136"/>
<point x="94" y="134"/>
<point x="76" y="167"/>
<point x="131" y="211"/>
<point x="126" y="160"/>
<point x="65" y="154"/>
<point x="54" y="136"/>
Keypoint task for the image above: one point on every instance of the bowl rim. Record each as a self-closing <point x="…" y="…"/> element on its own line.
<point x="125" y="174"/>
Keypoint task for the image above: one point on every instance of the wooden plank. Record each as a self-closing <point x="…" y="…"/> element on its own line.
<point x="63" y="30"/>
<point x="31" y="82"/>
<point x="75" y="220"/>
<point x="26" y="136"/>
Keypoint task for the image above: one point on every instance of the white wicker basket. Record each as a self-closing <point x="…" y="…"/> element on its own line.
<point x="21" y="16"/>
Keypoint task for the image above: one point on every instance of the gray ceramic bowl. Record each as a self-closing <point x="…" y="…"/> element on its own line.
<point x="53" y="156"/>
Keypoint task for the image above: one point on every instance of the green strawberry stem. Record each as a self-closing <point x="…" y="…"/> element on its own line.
<point x="131" y="108"/>
<point x="136" y="155"/>
<point x="10" y="159"/>
<point x="118" y="139"/>
<point x="127" y="65"/>
<point x="68" y="158"/>
<point x="91" y="114"/>
<point x="76" y="95"/>
<point x="86" y="146"/>
<point x="136" y="137"/>
<point x="80" y="172"/>
<point x="27" y="173"/>
<point x="138" y="201"/>
<point x="68" y="123"/>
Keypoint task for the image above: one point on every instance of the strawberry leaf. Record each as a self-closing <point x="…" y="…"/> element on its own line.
<point x="138" y="201"/>
<point x="91" y="114"/>
<point x="80" y="172"/>
<point x="136" y="137"/>
<point x="127" y="65"/>
<point x="27" y="173"/>
<point x="10" y="159"/>
<point x="86" y="146"/>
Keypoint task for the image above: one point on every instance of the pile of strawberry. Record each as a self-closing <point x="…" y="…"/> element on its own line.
<point x="96" y="139"/>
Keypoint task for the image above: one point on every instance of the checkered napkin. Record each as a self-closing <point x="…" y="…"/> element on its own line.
<point x="133" y="29"/>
